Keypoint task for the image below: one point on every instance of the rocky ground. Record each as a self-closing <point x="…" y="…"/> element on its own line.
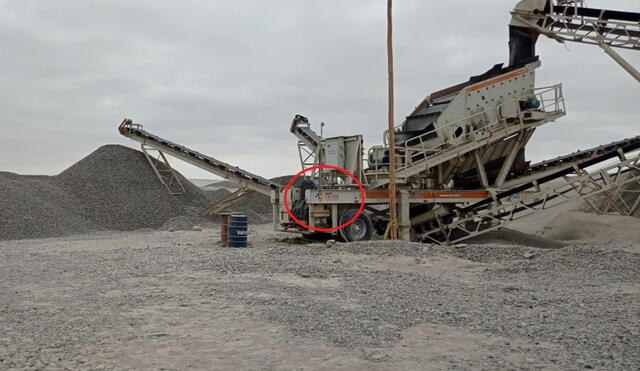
<point x="176" y="300"/>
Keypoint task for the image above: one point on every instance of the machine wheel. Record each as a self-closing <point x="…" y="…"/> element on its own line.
<point x="360" y="230"/>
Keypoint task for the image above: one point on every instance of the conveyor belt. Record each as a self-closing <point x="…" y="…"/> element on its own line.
<point x="233" y="173"/>
<point x="585" y="25"/>
<point x="597" y="13"/>
<point x="301" y="128"/>
<point x="626" y="145"/>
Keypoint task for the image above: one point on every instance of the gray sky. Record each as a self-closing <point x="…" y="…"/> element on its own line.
<point x="226" y="77"/>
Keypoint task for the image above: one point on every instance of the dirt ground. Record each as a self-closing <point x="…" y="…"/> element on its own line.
<point x="176" y="300"/>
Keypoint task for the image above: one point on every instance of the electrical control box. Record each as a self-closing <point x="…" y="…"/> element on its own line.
<point x="334" y="153"/>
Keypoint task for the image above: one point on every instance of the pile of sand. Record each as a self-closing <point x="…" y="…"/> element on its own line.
<point x="568" y="224"/>
<point x="574" y="226"/>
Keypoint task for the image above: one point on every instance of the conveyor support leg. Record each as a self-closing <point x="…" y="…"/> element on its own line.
<point x="404" y="217"/>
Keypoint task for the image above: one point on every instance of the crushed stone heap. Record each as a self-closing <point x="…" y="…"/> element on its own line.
<point x="113" y="188"/>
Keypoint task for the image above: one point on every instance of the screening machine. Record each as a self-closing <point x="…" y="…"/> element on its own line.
<point x="460" y="155"/>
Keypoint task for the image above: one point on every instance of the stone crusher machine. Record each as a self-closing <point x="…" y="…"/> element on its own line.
<point x="460" y="160"/>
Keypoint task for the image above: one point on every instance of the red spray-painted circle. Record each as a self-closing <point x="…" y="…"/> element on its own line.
<point x="362" y="198"/>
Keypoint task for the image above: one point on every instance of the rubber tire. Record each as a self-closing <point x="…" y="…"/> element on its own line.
<point x="363" y="220"/>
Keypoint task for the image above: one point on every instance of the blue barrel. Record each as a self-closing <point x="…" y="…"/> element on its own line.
<point x="237" y="231"/>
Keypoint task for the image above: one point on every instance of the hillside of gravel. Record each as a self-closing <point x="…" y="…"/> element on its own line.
<point x="113" y="188"/>
<point x="118" y="190"/>
<point x="37" y="206"/>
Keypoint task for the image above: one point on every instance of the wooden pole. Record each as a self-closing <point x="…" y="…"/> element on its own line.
<point x="393" y="232"/>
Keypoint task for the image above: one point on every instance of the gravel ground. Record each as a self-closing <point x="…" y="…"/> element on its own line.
<point x="155" y="299"/>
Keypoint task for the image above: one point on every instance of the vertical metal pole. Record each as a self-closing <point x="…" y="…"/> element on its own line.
<point x="275" y="202"/>
<point x="405" y="218"/>
<point x="393" y="232"/>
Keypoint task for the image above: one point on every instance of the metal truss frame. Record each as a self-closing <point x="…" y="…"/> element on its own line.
<point x="582" y="185"/>
<point x="601" y="31"/>
<point x="226" y="202"/>
<point x="583" y="29"/>
<point x="166" y="174"/>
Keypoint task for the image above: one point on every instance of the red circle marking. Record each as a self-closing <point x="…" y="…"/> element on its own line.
<point x="362" y="198"/>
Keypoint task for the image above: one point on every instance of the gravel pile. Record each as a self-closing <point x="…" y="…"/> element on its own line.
<point x="37" y="206"/>
<point x="510" y="237"/>
<point x="118" y="190"/>
<point x="181" y="223"/>
<point x="113" y="188"/>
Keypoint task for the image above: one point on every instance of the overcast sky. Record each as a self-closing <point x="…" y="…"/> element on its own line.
<point x="226" y="77"/>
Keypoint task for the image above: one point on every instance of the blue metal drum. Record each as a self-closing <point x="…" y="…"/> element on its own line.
<point x="237" y="231"/>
